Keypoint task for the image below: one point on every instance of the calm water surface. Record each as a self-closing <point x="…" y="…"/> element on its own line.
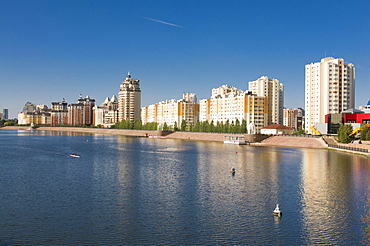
<point x="138" y="191"/>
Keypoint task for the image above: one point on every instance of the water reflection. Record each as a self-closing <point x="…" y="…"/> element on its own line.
<point x="128" y="190"/>
<point x="328" y="198"/>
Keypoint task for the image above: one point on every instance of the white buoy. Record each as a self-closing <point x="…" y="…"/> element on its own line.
<point x="277" y="211"/>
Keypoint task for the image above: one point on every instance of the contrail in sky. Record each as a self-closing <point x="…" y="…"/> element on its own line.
<point x="162" y="22"/>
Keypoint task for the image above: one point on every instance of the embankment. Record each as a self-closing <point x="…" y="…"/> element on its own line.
<point x="296" y="142"/>
<point x="282" y="141"/>
<point x="218" y="137"/>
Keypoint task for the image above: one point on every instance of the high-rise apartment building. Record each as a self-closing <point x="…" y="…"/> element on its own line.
<point x="59" y="113"/>
<point x="173" y="112"/>
<point x="81" y="113"/>
<point x="129" y="99"/>
<point x="329" y="89"/>
<point x="228" y="103"/>
<point x="274" y="91"/>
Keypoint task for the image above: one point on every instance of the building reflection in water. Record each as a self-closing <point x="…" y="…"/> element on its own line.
<point x="179" y="182"/>
<point x="362" y="185"/>
<point x="176" y="187"/>
<point x="328" y="196"/>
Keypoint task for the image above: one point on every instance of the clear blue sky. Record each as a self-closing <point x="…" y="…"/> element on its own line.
<point x="57" y="49"/>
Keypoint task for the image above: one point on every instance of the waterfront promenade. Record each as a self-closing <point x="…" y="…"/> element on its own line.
<point x="286" y="141"/>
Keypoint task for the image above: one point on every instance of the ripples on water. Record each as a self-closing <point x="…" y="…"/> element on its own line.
<point x="137" y="191"/>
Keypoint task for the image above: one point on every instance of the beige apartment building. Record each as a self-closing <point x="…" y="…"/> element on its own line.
<point x="172" y="112"/>
<point x="106" y="114"/>
<point x="129" y="99"/>
<point x="36" y="118"/>
<point x="329" y="89"/>
<point x="32" y="114"/>
<point x="274" y="91"/>
<point x="230" y="104"/>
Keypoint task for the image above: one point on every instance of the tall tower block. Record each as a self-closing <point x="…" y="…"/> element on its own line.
<point x="129" y="99"/>
<point x="329" y="89"/>
<point x="274" y="91"/>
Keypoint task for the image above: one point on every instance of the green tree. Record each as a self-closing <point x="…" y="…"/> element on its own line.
<point x="138" y="125"/>
<point x="227" y="126"/>
<point x="202" y="126"/>
<point x="237" y="126"/>
<point x="183" y="125"/>
<point x="165" y="127"/>
<point x="301" y="131"/>
<point x="232" y="127"/>
<point x="175" y="127"/>
<point x="243" y="126"/>
<point x="212" y="126"/>
<point x="365" y="133"/>
<point x="207" y="126"/>
<point x="220" y="127"/>
<point x="197" y="127"/>
<point x="344" y="132"/>
<point x="191" y="127"/>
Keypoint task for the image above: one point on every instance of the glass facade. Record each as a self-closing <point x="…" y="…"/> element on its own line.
<point x="334" y="121"/>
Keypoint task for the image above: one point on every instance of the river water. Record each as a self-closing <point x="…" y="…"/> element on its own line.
<point x="140" y="191"/>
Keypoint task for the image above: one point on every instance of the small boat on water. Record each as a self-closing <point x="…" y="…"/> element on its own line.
<point x="31" y="128"/>
<point x="277" y="211"/>
<point x="74" y="155"/>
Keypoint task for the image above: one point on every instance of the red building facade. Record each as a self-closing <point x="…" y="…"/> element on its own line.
<point x="81" y="113"/>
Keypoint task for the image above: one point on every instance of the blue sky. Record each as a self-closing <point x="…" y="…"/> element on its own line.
<point x="57" y="49"/>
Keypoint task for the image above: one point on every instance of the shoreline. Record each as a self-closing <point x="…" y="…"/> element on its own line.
<point x="277" y="141"/>
<point x="215" y="137"/>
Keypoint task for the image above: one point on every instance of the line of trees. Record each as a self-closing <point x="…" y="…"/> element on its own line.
<point x="137" y="125"/>
<point x="8" y="122"/>
<point x="229" y="127"/>
<point x="200" y="126"/>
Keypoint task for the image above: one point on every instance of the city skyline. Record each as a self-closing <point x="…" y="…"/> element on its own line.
<point x="55" y="50"/>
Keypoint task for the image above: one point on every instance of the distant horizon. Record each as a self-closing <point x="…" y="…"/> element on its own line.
<point x="59" y="49"/>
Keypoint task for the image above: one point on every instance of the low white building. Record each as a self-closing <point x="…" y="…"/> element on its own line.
<point x="276" y="129"/>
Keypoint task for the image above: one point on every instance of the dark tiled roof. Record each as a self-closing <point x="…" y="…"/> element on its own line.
<point x="277" y="126"/>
